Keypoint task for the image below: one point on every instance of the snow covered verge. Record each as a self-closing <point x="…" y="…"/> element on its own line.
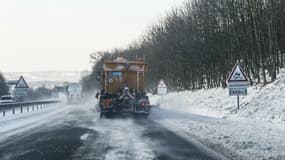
<point x="21" y="124"/>
<point x="13" y="125"/>
<point x="256" y="131"/>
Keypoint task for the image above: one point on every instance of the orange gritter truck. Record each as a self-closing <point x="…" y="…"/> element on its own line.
<point x="123" y="84"/>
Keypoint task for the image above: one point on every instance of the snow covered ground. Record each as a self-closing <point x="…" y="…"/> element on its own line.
<point x="14" y="125"/>
<point x="256" y="131"/>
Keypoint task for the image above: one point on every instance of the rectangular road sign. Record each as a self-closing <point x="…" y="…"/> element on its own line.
<point x="161" y="91"/>
<point x="19" y="92"/>
<point x="238" y="85"/>
<point x="238" y="91"/>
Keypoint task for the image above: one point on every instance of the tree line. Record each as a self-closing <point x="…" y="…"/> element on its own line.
<point x="196" y="45"/>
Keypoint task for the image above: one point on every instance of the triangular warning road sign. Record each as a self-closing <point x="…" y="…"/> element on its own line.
<point x="161" y="84"/>
<point x="21" y="83"/>
<point x="237" y="74"/>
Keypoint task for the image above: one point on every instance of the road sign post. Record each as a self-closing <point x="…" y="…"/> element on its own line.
<point x="237" y="102"/>
<point x="237" y="83"/>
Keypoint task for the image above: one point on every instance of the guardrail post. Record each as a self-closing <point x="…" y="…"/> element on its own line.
<point x="14" y="107"/>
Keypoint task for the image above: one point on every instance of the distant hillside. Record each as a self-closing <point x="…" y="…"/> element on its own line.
<point x="47" y="78"/>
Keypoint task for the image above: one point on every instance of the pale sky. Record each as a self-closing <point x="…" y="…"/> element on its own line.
<point x="40" y="35"/>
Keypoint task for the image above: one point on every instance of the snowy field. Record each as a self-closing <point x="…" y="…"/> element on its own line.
<point x="256" y="131"/>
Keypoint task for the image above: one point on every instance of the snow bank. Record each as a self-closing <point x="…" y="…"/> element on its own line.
<point x="256" y="131"/>
<point x="266" y="103"/>
<point x="263" y="103"/>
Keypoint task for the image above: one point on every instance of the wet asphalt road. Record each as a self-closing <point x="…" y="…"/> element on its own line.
<point x="83" y="136"/>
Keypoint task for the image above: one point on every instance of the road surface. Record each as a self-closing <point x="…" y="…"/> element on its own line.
<point x="81" y="135"/>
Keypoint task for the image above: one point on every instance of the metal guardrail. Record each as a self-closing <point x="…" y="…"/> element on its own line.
<point x="28" y="106"/>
